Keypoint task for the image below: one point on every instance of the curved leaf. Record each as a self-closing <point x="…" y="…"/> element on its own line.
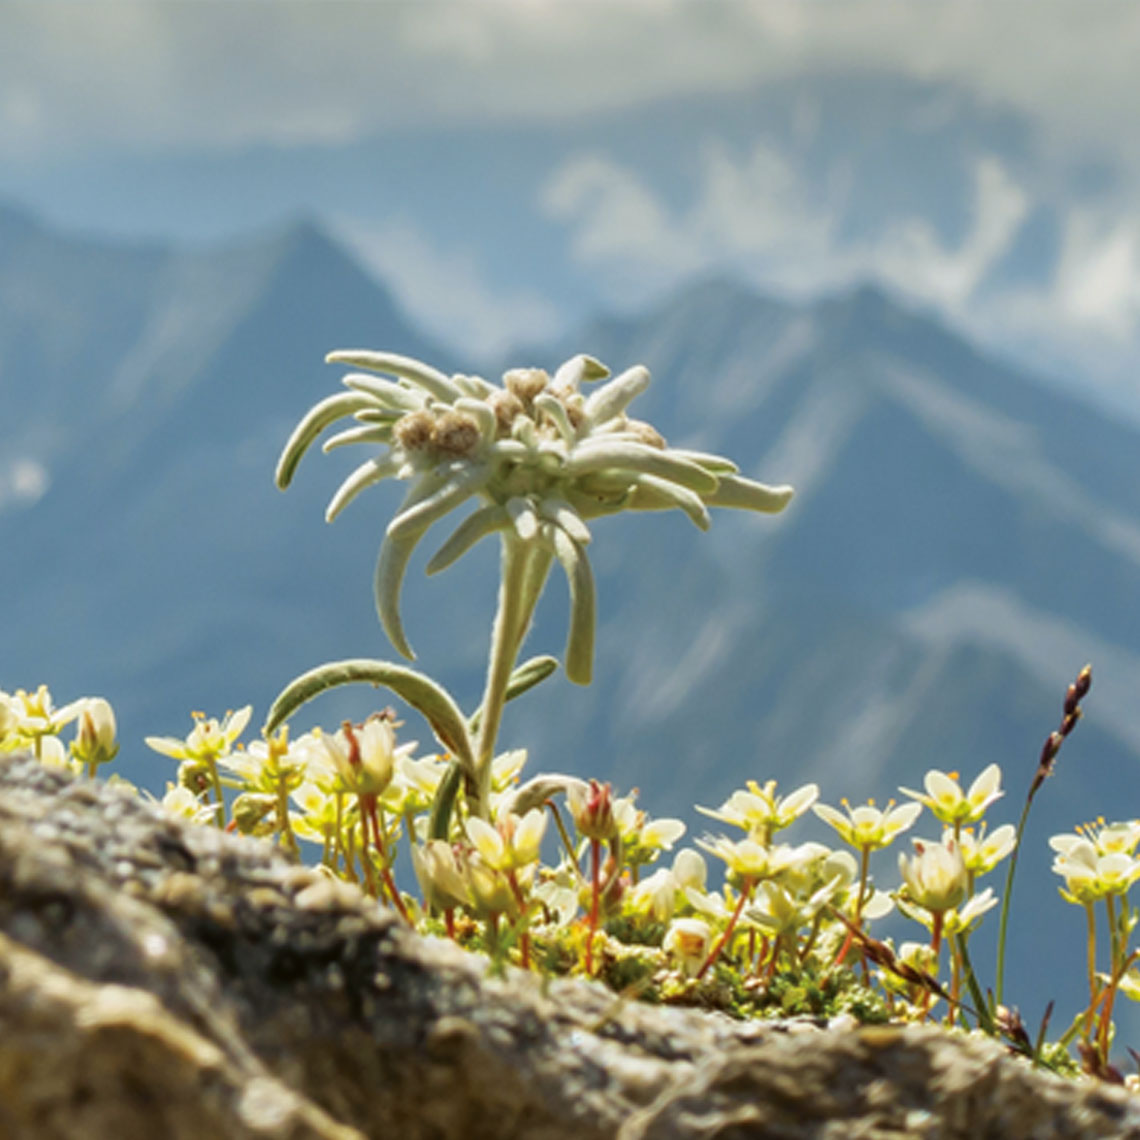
<point x="530" y="673"/>
<point x="736" y="491"/>
<point x="460" y="485"/>
<point x="580" y="640"/>
<point x="578" y="370"/>
<point x="615" y="395"/>
<point x="314" y="421"/>
<point x="653" y="494"/>
<point x="391" y="565"/>
<point x="477" y="525"/>
<point x="439" y="822"/>
<point x="368" y="432"/>
<point x="534" y="793"/>
<point x="598" y="454"/>
<point x="396" y="397"/>
<point x="414" y="688"/>
<point x="369" y="472"/>
<point x="717" y="464"/>
<point x="429" y="379"/>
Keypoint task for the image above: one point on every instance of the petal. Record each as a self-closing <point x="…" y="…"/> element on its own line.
<point x="486" y="839"/>
<point x="986" y="786"/>
<point x="168" y="746"/>
<point x="943" y="790"/>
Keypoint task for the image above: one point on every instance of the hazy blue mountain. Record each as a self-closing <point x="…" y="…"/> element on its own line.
<point x="962" y="541"/>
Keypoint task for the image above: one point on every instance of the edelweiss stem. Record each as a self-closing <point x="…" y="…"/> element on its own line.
<point x="506" y="639"/>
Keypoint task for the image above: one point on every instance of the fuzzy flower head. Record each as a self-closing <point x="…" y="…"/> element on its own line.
<point x="537" y="456"/>
<point x="866" y="828"/>
<point x="945" y="798"/>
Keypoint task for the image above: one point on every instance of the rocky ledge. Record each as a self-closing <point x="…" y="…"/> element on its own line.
<point x="158" y="979"/>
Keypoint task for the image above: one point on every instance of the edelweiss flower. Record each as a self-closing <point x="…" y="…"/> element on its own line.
<point x="539" y="456"/>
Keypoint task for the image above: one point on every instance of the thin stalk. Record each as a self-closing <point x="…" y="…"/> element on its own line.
<point x="595" y="891"/>
<point x="216" y="782"/>
<point x="288" y="839"/>
<point x="505" y="644"/>
<point x="937" y="917"/>
<point x="745" y="892"/>
<point x="999" y="974"/>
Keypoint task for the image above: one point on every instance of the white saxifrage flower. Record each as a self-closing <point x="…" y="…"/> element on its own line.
<point x="945" y="798"/>
<point x="935" y="878"/>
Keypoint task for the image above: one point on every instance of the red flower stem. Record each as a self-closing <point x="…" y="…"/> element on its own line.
<point x="595" y="891"/>
<point x="745" y="891"/>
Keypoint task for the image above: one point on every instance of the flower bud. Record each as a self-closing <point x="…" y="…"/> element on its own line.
<point x="935" y="878"/>
<point x="688" y="940"/>
<point x="364" y="755"/>
<point x="95" y="741"/>
<point x="592" y="809"/>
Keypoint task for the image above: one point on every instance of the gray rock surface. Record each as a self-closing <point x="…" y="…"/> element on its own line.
<point x="161" y="980"/>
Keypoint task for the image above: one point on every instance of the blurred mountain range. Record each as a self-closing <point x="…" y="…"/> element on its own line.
<point x="963" y="538"/>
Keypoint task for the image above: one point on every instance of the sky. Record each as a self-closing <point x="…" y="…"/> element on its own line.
<point x="92" y="87"/>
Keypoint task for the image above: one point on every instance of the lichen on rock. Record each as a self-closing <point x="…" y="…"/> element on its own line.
<point x="163" y="979"/>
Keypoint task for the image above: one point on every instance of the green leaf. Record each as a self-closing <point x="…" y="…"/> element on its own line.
<point x="579" y="370"/>
<point x="391" y="566"/>
<point x="653" y="494"/>
<point x="442" y="806"/>
<point x="314" y="421"/>
<point x="461" y="484"/>
<point x="392" y="563"/>
<point x="613" y="397"/>
<point x="368" y="432"/>
<point x="745" y="494"/>
<point x="397" y="397"/>
<point x="530" y="673"/>
<point x="369" y="472"/>
<point x="477" y="525"/>
<point x="429" y="379"/>
<point x="414" y="688"/>
<point x="580" y="640"/>
<point x="600" y="454"/>
<point x="717" y="464"/>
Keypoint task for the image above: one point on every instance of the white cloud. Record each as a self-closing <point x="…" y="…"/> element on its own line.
<point x="914" y="259"/>
<point x="1098" y="279"/>
<point x="761" y="216"/>
<point x="23" y="482"/>
<point x="172" y="75"/>
<point x="446" y="292"/>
